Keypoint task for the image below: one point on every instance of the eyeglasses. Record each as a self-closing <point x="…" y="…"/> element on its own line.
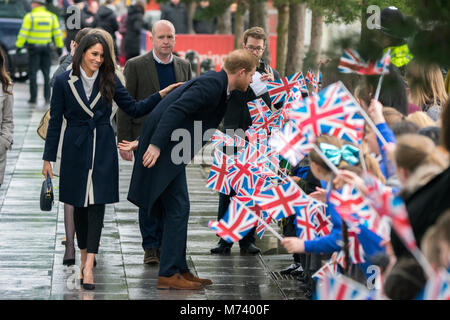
<point x="252" y="48"/>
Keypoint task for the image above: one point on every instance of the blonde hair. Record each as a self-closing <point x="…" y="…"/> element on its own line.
<point x="414" y="150"/>
<point x="392" y="116"/>
<point x="422" y="119"/>
<point x="430" y="246"/>
<point x="240" y="59"/>
<point x="426" y="84"/>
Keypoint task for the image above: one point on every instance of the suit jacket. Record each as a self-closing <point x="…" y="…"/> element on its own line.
<point x="89" y="172"/>
<point x="141" y="81"/>
<point x="200" y="99"/>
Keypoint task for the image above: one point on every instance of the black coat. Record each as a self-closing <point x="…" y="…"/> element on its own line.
<point x="424" y="207"/>
<point x="107" y="20"/>
<point x="135" y="23"/>
<point x="89" y="164"/>
<point x="178" y="15"/>
<point x="200" y="99"/>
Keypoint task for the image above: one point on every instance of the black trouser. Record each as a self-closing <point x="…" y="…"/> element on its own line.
<point x="88" y="226"/>
<point x="224" y="202"/>
<point x="39" y="58"/>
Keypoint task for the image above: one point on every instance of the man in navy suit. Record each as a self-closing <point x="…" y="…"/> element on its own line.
<point x="161" y="177"/>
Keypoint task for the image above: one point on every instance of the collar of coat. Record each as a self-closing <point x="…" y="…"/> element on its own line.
<point x="76" y="86"/>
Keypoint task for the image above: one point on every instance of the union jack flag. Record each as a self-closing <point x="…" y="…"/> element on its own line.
<point x="351" y="62"/>
<point x="279" y="89"/>
<point x="351" y="129"/>
<point x="290" y="143"/>
<point x="257" y="108"/>
<point x="322" y="223"/>
<point x="269" y="122"/>
<point x="239" y="142"/>
<point x="243" y="173"/>
<point x="437" y="287"/>
<point x="217" y="179"/>
<point x="236" y="223"/>
<point x="327" y="110"/>
<point x="355" y="248"/>
<point x="329" y="269"/>
<point x="219" y="139"/>
<point x="355" y="210"/>
<point x="388" y="205"/>
<point x="282" y="201"/>
<point x="341" y="288"/>
<point x="304" y="221"/>
<point x="313" y="80"/>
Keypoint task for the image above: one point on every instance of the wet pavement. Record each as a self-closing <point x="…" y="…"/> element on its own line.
<point x="31" y="252"/>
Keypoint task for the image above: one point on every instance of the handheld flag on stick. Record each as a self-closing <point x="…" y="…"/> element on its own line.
<point x="279" y="90"/>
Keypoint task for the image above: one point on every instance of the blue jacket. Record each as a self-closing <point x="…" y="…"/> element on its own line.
<point x="388" y="135"/>
<point x="89" y="171"/>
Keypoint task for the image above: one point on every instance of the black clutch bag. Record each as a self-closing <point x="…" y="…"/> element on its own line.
<point x="47" y="195"/>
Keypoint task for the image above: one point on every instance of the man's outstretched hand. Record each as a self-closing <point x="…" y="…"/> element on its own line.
<point x="150" y="156"/>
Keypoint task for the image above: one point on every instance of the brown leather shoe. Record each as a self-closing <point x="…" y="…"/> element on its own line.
<point x="189" y="276"/>
<point x="177" y="282"/>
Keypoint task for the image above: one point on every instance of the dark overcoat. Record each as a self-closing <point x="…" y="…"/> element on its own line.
<point x="200" y="99"/>
<point x="89" y="171"/>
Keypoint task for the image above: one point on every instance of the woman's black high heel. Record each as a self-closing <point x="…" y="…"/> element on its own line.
<point x="81" y="280"/>
<point x="87" y="286"/>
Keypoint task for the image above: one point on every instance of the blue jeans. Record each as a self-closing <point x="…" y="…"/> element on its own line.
<point x="151" y="229"/>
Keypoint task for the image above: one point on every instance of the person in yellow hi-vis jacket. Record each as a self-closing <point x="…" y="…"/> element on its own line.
<point x="39" y="28"/>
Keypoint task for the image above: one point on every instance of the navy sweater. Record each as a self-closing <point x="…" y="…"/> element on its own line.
<point x="166" y="74"/>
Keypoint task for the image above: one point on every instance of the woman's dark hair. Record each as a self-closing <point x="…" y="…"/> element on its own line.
<point x="80" y="34"/>
<point x="393" y="90"/>
<point x="106" y="72"/>
<point x="4" y="77"/>
<point x="404" y="127"/>
<point x="434" y="133"/>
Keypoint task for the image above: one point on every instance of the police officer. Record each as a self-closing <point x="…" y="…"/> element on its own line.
<point x="38" y="29"/>
<point x="395" y="29"/>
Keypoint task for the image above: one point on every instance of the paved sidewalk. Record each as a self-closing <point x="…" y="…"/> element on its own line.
<point x="31" y="252"/>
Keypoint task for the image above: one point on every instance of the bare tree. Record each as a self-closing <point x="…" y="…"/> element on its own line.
<point x="296" y="36"/>
<point x="282" y="34"/>
<point x="191" y="6"/>
<point x="224" y="22"/>
<point x="315" y="46"/>
<point x="239" y="17"/>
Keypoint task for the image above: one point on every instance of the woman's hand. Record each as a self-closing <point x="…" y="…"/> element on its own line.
<point x="320" y="195"/>
<point x="376" y="112"/>
<point x="293" y="245"/>
<point x="47" y="169"/>
<point x="346" y="176"/>
<point x="164" y="92"/>
<point x="127" y="145"/>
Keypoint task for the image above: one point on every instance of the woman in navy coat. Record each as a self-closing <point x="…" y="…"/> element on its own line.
<point x="89" y="172"/>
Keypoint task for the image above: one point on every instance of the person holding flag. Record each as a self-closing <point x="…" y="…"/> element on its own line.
<point x="342" y="155"/>
<point x="238" y="117"/>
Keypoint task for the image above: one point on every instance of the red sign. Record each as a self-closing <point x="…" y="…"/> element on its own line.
<point x="213" y="46"/>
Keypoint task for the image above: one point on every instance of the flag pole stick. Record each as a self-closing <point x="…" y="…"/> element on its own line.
<point x="366" y="116"/>
<point x="266" y="225"/>
<point x="377" y="93"/>
<point x="423" y="262"/>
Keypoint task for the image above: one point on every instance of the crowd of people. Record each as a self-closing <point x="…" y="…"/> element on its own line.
<point x="93" y="103"/>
